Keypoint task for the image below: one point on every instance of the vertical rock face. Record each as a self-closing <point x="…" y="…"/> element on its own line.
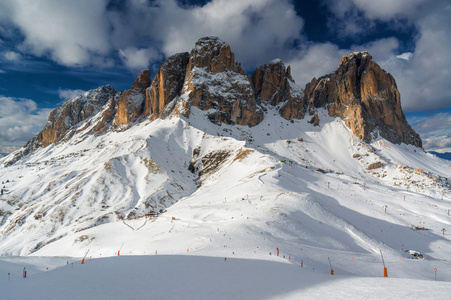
<point x="131" y="103"/>
<point x="274" y="85"/>
<point x="365" y="97"/>
<point x="166" y="85"/>
<point x="271" y="82"/>
<point x="215" y="81"/>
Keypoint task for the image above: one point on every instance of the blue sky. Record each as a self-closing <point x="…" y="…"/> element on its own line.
<point x="52" y="50"/>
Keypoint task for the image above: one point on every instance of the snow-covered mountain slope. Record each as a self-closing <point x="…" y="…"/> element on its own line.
<point x="314" y="192"/>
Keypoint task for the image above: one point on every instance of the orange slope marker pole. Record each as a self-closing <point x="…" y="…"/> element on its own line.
<point x="119" y="251"/>
<point x="383" y="262"/>
<point x="331" y="270"/>
<point x="83" y="260"/>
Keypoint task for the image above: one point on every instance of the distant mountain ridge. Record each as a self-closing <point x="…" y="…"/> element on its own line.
<point x="359" y="92"/>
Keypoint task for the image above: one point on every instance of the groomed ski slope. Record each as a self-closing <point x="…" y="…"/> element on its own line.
<point x="283" y="185"/>
<point x="197" y="277"/>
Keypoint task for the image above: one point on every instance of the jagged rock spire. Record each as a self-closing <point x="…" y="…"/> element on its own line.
<point x="215" y="81"/>
<point x="214" y="55"/>
<point x="274" y="85"/>
<point x="166" y="85"/>
<point x="365" y="97"/>
<point x="131" y="103"/>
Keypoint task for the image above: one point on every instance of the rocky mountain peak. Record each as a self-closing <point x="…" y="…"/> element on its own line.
<point x="270" y="82"/>
<point x="214" y="55"/>
<point x="69" y="116"/>
<point x="355" y="57"/>
<point x="366" y="97"/>
<point x="214" y="81"/>
<point x="75" y="115"/>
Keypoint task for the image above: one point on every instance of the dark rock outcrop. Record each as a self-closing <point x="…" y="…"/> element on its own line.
<point x="274" y="85"/>
<point x="215" y="81"/>
<point x="131" y="103"/>
<point x="365" y="97"/>
<point x="214" y="55"/>
<point x="63" y="120"/>
<point x="166" y="85"/>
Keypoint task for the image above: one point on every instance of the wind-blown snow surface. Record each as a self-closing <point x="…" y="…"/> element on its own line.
<point x="237" y="192"/>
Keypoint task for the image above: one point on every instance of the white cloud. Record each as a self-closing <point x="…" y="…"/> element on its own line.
<point x="77" y="33"/>
<point x="405" y="55"/>
<point x="257" y="31"/>
<point x="71" y="32"/>
<point x="358" y="17"/>
<point x="138" y="59"/>
<point x="20" y="120"/>
<point x="66" y="94"/>
<point x="315" y="60"/>
<point x="12" y="56"/>
<point x="425" y="78"/>
<point x="435" y="131"/>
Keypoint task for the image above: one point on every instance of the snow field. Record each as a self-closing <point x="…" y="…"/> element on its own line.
<point x="312" y="199"/>
<point x="197" y="277"/>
